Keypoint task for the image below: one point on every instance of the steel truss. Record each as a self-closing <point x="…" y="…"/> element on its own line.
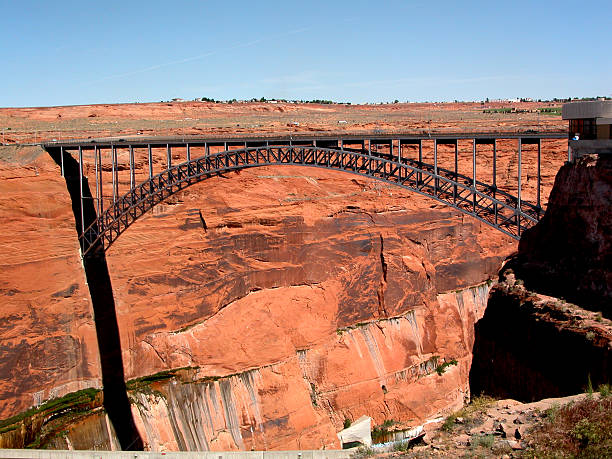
<point x="505" y="212"/>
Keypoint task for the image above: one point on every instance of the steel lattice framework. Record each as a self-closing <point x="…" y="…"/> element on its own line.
<point x="499" y="209"/>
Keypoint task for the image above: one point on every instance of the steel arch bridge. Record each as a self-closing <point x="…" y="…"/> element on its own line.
<point x="499" y="209"/>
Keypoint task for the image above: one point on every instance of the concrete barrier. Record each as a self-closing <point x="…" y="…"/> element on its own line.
<point x="55" y="454"/>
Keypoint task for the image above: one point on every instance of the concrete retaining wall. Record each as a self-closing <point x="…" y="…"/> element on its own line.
<point x="54" y="454"/>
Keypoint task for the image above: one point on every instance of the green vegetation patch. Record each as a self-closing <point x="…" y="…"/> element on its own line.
<point x="556" y="111"/>
<point x="440" y="369"/>
<point x="79" y="401"/>
<point x="143" y="384"/>
<point x="43" y="422"/>
<point x="498" y="110"/>
<point x="381" y="431"/>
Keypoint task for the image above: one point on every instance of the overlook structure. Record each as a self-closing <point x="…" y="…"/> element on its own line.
<point x="119" y="200"/>
<point x="590" y="127"/>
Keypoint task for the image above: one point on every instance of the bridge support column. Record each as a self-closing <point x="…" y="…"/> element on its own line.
<point x="150" y="154"/>
<point x="115" y="174"/>
<point x="495" y="179"/>
<point x="101" y="209"/>
<point x="518" y="192"/>
<point x="189" y="152"/>
<point x="62" y="159"/>
<point x="370" y="156"/>
<point x="98" y="168"/>
<point x="169" y="156"/>
<point x="399" y="151"/>
<point x="456" y="170"/>
<point x="81" y="189"/>
<point x="132" y="172"/>
<point x="474" y="175"/>
<point x="420" y="174"/>
<point x="435" y="167"/>
<point x="539" y="174"/>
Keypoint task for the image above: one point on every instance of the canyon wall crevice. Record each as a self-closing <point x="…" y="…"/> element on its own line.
<point x="100" y="287"/>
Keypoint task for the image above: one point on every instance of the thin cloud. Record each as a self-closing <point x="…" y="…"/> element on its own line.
<point x="198" y="57"/>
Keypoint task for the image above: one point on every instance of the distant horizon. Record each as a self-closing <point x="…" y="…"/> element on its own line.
<point x="69" y="53"/>
<point x="321" y="102"/>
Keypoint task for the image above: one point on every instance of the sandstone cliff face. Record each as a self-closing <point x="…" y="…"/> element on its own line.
<point x="47" y="334"/>
<point x="569" y="253"/>
<point x="385" y="369"/>
<point x="301" y="309"/>
<point x="307" y="297"/>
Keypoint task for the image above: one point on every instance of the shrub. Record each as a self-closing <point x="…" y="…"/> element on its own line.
<point x="440" y="369"/>
<point x="483" y="441"/>
<point x="402" y="446"/>
<point x="586" y="432"/>
<point x="581" y="429"/>
<point x="363" y="451"/>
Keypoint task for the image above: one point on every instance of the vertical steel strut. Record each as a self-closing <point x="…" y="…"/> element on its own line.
<point x="62" y="159"/>
<point x="420" y="174"/>
<point x="518" y="200"/>
<point x="97" y="169"/>
<point x="81" y="189"/>
<point x="495" y="180"/>
<point x="150" y="157"/>
<point x="101" y="210"/>
<point x="474" y="174"/>
<point x="456" y="170"/>
<point x="115" y="174"/>
<point x="539" y="175"/>
<point x="435" y="167"/>
<point x="132" y="173"/>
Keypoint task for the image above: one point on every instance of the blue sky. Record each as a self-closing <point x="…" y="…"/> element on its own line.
<point x="81" y="52"/>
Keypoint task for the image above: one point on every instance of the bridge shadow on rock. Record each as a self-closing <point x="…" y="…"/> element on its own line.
<point x="116" y="402"/>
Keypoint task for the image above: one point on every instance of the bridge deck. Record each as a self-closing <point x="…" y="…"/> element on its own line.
<point x="408" y="137"/>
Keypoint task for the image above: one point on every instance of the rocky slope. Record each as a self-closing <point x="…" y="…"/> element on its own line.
<point x="569" y="254"/>
<point x="531" y="346"/>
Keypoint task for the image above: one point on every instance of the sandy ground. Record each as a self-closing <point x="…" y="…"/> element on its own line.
<point x="204" y="118"/>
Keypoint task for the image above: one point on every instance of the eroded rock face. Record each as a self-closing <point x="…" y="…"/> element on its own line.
<point x="332" y="297"/>
<point x="328" y="310"/>
<point x="569" y="253"/>
<point x="47" y="334"/>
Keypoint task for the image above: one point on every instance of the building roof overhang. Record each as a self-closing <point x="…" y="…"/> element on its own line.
<point x="587" y="110"/>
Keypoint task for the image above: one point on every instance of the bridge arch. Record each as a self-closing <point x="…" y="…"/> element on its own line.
<point x="494" y="207"/>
